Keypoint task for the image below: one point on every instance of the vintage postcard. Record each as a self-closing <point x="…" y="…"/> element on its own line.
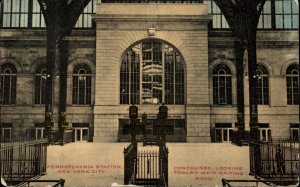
<point x="178" y="93"/>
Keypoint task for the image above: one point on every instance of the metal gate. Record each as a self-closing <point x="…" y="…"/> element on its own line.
<point x="22" y="160"/>
<point x="277" y="159"/>
<point x="148" y="168"/>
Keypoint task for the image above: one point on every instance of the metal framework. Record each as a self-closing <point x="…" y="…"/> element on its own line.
<point x="60" y="18"/>
<point x="22" y="160"/>
<point x="276" y="160"/>
<point x="152" y="72"/>
<point x="147" y="168"/>
<point x="243" y="17"/>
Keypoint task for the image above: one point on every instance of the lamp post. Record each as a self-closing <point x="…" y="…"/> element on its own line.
<point x="133" y="115"/>
<point x="0" y="121"/>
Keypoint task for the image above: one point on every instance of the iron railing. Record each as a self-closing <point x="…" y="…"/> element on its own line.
<point x="68" y="136"/>
<point x="163" y="156"/>
<point x="152" y="1"/>
<point x="53" y="183"/>
<point x="59" y="138"/>
<point x="276" y="159"/>
<point x="147" y="168"/>
<point x="22" y="160"/>
<point x="130" y="167"/>
<point x="226" y="182"/>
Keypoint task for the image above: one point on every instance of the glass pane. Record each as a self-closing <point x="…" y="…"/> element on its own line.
<point x="295" y="7"/>
<point x="267" y="21"/>
<point x="152" y="73"/>
<point x="218" y="135"/>
<point x="85" y="134"/>
<point x="278" y="7"/>
<point x="260" y="23"/>
<point x="16" y="6"/>
<point x="287" y="21"/>
<point x="230" y="134"/>
<point x="267" y="7"/>
<point x="7" y="6"/>
<point x="269" y="134"/>
<point x="39" y="133"/>
<point x="7" y="133"/>
<point x="295" y="134"/>
<point x="216" y="21"/>
<point x="24" y="6"/>
<point x="287" y="7"/>
<point x="295" y="21"/>
<point x="78" y="134"/>
<point x="156" y="57"/>
<point x="263" y="135"/>
<point x="225" y="134"/>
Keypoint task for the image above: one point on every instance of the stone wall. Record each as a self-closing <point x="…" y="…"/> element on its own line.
<point x="102" y="50"/>
<point x="187" y="33"/>
<point x="26" y="50"/>
<point x="276" y="50"/>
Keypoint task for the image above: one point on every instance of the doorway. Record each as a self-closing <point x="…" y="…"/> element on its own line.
<point x="265" y="134"/>
<point x="223" y="134"/>
<point x="81" y="134"/>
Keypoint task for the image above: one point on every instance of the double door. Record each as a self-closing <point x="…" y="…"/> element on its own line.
<point x="81" y="134"/>
<point x="265" y="134"/>
<point x="223" y="134"/>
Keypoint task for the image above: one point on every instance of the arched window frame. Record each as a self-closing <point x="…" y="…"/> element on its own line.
<point x="292" y="84"/>
<point x="168" y="66"/>
<point x="262" y="89"/>
<point x="222" y="85"/>
<point x="82" y="85"/>
<point x="40" y="85"/>
<point x="8" y="83"/>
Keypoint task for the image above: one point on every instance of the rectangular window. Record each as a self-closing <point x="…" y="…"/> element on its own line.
<point x="82" y="89"/>
<point x="294" y="132"/>
<point x="152" y="73"/>
<point x="81" y="132"/>
<point x="263" y="90"/>
<point x="265" y="133"/>
<point x="37" y="15"/>
<point x="40" y="84"/>
<point x="286" y="14"/>
<point x="39" y="133"/>
<point x="292" y="90"/>
<point x="6" y="131"/>
<point x="223" y="132"/>
<point x="265" y="21"/>
<point x="219" y="20"/>
<point x="15" y="13"/>
<point x="179" y="126"/>
<point x="27" y="13"/>
<point x="276" y="14"/>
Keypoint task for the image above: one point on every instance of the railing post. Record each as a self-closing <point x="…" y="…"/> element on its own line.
<point x="223" y="183"/>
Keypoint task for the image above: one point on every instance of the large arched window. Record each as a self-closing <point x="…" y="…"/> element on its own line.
<point x="262" y="85"/>
<point x="82" y="84"/>
<point x="152" y="72"/>
<point x="222" y="85"/>
<point x="40" y="83"/>
<point x="292" y="83"/>
<point x="8" y="84"/>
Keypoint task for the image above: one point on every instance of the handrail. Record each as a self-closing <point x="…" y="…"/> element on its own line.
<point x="59" y="183"/>
<point x="225" y="182"/>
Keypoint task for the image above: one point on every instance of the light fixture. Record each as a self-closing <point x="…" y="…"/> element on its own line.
<point x="81" y="78"/>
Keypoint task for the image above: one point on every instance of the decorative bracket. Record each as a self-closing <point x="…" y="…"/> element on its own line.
<point x="151" y="31"/>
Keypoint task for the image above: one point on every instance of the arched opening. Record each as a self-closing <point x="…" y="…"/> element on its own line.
<point x="152" y="72"/>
